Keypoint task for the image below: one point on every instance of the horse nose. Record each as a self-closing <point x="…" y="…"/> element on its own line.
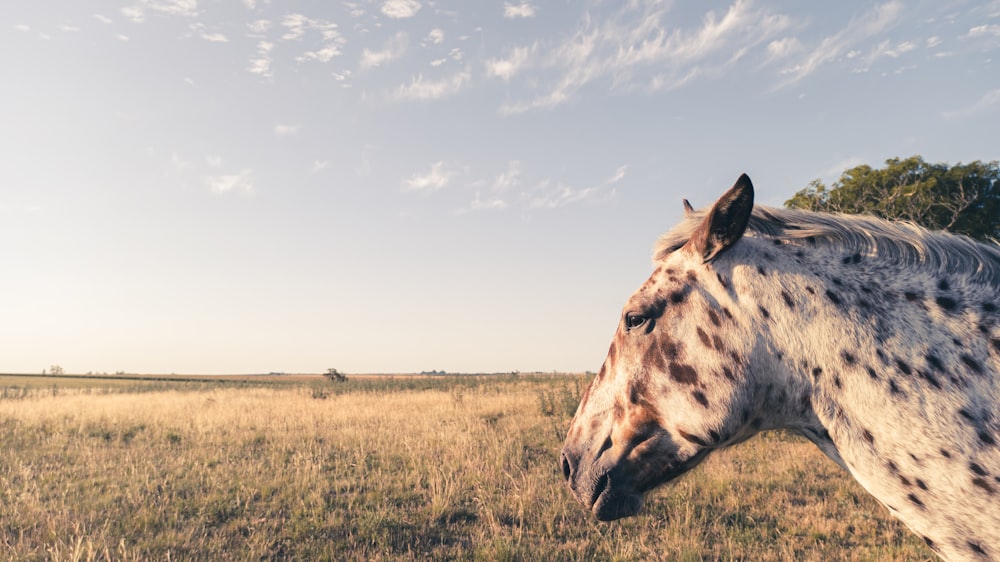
<point x="569" y="464"/>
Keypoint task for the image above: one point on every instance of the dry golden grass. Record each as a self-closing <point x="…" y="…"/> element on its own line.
<point x="403" y="469"/>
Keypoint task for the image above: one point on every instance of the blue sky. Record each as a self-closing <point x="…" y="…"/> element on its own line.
<point x="200" y="186"/>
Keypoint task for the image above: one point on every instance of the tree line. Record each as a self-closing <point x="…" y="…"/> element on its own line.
<point x="963" y="198"/>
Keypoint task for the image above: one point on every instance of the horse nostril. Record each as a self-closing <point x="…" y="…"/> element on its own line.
<point x="566" y="467"/>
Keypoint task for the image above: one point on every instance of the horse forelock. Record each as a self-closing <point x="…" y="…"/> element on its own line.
<point x="937" y="252"/>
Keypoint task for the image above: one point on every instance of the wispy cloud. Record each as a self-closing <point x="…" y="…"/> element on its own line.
<point x="394" y="48"/>
<point x="783" y="48"/>
<point x="506" y="68"/>
<point x="984" y="31"/>
<point x="102" y="18"/>
<point x="832" y="47"/>
<point x="434" y="37"/>
<point x="510" y="178"/>
<point x="420" y="89"/>
<point x="399" y="9"/>
<point x="210" y="36"/>
<point x="134" y="13"/>
<point x="551" y="195"/>
<point x="438" y="177"/>
<point x="297" y="25"/>
<point x="486" y="203"/>
<point x="987" y="101"/>
<point x="259" y="27"/>
<point x="522" y="10"/>
<point x="286" y="130"/>
<point x="241" y="182"/>
<point x="261" y="64"/>
<point x="318" y="166"/>
<point x="137" y="12"/>
<point x="640" y="48"/>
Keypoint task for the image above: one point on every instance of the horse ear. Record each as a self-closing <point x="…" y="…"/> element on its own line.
<point x="726" y="222"/>
<point x="688" y="209"/>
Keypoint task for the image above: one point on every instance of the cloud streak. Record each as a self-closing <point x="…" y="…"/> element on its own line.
<point x="400" y="9"/>
<point x="421" y="89"/>
<point x="515" y="11"/>
<point x="549" y="195"/>
<point x="438" y="177"/>
<point x="988" y="100"/>
<point x="830" y="48"/>
<point x="393" y="49"/>
<point x="638" y="48"/>
<point x="241" y="182"/>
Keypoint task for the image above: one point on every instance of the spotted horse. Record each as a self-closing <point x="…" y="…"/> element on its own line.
<point x="877" y="341"/>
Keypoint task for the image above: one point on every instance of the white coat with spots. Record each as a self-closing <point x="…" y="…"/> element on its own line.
<point x="877" y="341"/>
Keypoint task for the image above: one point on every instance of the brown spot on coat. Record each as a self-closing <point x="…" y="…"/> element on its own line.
<point x="986" y="438"/>
<point x="893" y="388"/>
<point x="976" y="548"/>
<point x="972" y="364"/>
<point x="683" y="373"/>
<point x="833" y="297"/>
<point x="903" y="367"/>
<point x="699" y="396"/>
<point x="636" y="390"/>
<point x="713" y="316"/>
<point x="618" y="411"/>
<point x="704" y="337"/>
<point x="788" y="299"/>
<point x="984" y="484"/>
<point x="915" y="500"/>
<point x="654" y="359"/>
<point x="933" y="361"/>
<point x="947" y="303"/>
<point x="977" y="470"/>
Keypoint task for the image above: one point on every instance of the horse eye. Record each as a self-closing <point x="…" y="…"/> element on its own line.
<point x="633" y="320"/>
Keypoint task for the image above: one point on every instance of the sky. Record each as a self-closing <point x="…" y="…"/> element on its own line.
<point x="247" y="186"/>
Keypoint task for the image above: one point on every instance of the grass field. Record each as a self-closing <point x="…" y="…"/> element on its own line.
<point x="400" y="468"/>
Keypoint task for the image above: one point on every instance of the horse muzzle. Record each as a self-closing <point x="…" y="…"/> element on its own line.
<point x="607" y="492"/>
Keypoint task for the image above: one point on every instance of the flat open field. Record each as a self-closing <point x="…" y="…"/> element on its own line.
<point x="383" y="468"/>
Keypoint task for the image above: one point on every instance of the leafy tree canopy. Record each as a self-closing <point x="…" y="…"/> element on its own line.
<point x="964" y="198"/>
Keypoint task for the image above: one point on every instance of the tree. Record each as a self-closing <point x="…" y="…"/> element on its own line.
<point x="335" y="375"/>
<point x="964" y="198"/>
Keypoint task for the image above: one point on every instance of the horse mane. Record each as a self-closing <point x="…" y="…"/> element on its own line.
<point x="906" y="243"/>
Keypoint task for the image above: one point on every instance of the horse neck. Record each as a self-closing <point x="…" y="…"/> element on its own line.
<point x="817" y="318"/>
